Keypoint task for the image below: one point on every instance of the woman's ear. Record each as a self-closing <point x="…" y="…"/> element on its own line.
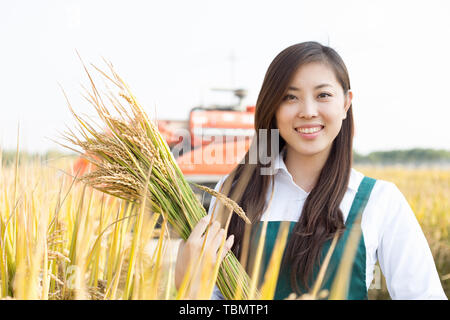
<point x="348" y="102"/>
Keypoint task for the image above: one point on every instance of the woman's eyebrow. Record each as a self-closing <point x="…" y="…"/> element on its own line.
<point x="316" y="87"/>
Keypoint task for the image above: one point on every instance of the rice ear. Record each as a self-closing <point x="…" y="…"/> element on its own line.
<point x="229" y="203"/>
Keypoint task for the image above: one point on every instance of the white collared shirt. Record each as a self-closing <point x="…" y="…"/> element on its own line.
<point x="392" y="234"/>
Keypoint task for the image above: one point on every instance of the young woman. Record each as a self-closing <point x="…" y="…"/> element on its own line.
<point x="306" y="96"/>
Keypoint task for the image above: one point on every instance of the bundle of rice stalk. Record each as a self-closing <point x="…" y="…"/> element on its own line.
<point x="130" y="152"/>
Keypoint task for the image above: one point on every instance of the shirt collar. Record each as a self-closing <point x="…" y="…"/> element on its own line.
<point x="280" y="166"/>
<point x="279" y="161"/>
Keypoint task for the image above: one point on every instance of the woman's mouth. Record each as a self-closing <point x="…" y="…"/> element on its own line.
<point x="309" y="132"/>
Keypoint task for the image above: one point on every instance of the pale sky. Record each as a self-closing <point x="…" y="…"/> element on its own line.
<point x="172" y="52"/>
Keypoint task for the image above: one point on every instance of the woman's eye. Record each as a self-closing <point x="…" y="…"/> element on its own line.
<point x="289" y="97"/>
<point x="324" y="95"/>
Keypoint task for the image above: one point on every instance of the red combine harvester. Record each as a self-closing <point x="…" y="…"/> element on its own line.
<point x="210" y="143"/>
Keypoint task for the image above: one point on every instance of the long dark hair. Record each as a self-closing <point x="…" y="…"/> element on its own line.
<point x="321" y="217"/>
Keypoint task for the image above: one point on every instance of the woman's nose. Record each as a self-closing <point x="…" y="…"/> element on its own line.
<point x="308" y="109"/>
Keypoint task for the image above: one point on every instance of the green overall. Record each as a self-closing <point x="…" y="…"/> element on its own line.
<point x="357" y="287"/>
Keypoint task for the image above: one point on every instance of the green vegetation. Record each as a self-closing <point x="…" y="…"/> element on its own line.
<point x="414" y="156"/>
<point x="409" y="156"/>
<point x="8" y="157"/>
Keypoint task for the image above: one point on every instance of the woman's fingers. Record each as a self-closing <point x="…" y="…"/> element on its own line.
<point x="189" y="251"/>
<point x="227" y="247"/>
<point x="218" y="240"/>
<point x="209" y="238"/>
<point x="199" y="228"/>
<point x="211" y="235"/>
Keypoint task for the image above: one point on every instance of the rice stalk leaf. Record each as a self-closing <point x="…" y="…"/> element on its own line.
<point x="271" y="275"/>
<point x="136" y="238"/>
<point x="321" y="275"/>
<point x="339" y="288"/>
<point x="157" y="264"/>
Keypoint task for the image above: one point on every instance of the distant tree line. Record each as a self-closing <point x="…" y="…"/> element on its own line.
<point x="8" y="157"/>
<point x="414" y="156"/>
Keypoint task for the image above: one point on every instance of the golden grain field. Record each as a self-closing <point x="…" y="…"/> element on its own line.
<point x="428" y="193"/>
<point x="62" y="240"/>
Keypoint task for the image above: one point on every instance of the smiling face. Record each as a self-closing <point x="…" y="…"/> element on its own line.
<point x="310" y="116"/>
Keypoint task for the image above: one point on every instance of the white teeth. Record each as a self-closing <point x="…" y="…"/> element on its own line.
<point x="309" y="130"/>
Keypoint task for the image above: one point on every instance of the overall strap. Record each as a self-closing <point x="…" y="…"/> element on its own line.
<point x="360" y="201"/>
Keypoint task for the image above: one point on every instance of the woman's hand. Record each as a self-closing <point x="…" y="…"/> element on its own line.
<point x="189" y="251"/>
